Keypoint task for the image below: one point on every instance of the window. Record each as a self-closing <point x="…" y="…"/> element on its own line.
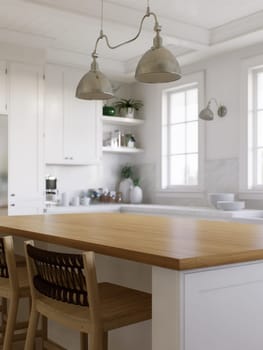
<point x="181" y="161"/>
<point x="255" y="129"/>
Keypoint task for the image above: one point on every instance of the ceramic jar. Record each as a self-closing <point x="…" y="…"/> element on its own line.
<point x="124" y="188"/>
<point x="136" y="195"/>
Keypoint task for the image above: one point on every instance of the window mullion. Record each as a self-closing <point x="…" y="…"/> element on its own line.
<point x="254" y="129"/>
<point x="185" y="145"/>
<point x="168" y="140"/>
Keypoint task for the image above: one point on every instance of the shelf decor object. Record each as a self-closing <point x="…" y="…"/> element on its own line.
<point x="127" y="107"/>
<point x="108" y="110"/>
<point x="157" y="65"/>
<point x="207" y="114"/>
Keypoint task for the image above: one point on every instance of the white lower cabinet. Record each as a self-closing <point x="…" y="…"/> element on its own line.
<point x="224" y="309"/>
<point x="25" y="139"/>
<point x="73" y="133"/>
<point x="219" y="308"/>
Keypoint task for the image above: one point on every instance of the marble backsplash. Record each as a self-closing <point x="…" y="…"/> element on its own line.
<point x="219" y="176"/>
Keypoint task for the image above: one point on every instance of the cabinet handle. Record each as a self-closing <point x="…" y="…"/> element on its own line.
<point x="12" y="205"/>
<point x="65" y="157"/>
<point x="12" y="195"/>
<point x="71" y="158"/>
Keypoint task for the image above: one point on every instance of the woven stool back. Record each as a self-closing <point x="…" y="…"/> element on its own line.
<point x="59" y="276"/>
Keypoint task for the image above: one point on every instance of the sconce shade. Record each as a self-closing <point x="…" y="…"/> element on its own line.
<point x="206" y="114"/>
<point x="222" y="111"/>
<point x="158" y="65"/>
<point x="94" y="86"/>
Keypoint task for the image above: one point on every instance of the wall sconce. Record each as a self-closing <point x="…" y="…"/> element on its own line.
<point x="208" y="114"/>
<point x="157" y="65"/>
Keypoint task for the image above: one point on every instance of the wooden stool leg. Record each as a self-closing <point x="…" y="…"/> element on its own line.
<point x="11" y="322"/>
<point x="84" y="340"/>
<point x="32" y="326"/>
<point x="105" y="341"/>
<point x="4" y="316"/>
<point x="44" y="326"/>
<point x="96" y="340"/>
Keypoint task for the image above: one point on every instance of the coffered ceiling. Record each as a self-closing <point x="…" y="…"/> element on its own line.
<point x="191" y="28"/>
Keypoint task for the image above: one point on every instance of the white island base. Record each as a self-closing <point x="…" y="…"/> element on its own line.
<point x="218" y="308"/>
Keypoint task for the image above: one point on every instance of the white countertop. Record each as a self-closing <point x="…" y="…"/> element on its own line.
<point x="246" y="215"/>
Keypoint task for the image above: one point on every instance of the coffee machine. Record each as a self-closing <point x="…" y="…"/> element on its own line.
<point x="51" y="190"/>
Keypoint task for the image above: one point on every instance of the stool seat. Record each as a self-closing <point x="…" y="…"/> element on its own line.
<point x="120" y="306"/>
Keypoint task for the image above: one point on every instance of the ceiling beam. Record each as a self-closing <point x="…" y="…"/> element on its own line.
<point x="238" y="28"/>
<point x="174" y="31"/>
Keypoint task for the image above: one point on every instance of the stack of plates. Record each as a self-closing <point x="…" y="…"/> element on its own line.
<point x="228" y="205"/>
<point x="225" y="201"/>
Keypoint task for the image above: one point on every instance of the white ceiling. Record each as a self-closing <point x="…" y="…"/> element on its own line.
<point x="68" y="28"/>
<point x="204" y="13"/>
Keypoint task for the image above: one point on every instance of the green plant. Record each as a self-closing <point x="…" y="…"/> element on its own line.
<point x="126" y="172"/>
<point x="136" y="181"/>
<point x="130" y="103"/>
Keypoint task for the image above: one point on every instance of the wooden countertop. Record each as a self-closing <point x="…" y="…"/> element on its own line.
<point x="175" y="243"/>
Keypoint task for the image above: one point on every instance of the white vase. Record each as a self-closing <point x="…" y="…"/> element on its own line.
<point x="128" y="112"/>
<point x="136" y="195"/>
<point x="124" y="188"/>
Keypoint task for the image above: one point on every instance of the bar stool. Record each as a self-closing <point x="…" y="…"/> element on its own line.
<point x="64" y="288"/>
<point x="14" y="285"/>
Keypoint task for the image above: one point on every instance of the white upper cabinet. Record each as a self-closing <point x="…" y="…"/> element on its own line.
<point x="25" y="162"/>
<point x="72" y="127"/>
<point x="3" y="87"/>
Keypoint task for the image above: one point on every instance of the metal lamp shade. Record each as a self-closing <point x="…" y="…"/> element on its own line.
<point x="158" y="65"/>
<point x="94" y="86"/>
<point x="206" y="114"/>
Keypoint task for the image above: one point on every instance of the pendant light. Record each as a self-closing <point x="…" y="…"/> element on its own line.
<point x="157" y="65"/>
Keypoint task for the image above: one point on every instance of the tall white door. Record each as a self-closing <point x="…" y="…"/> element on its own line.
<point x="25" y="168"/>
<point x="3" y="88"/>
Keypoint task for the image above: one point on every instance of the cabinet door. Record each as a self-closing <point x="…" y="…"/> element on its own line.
<point x="82" y="130"/>
<point x="3" y="88"/>
<point x="25" y="151"/>
<point x="72" y="127"/>
<point x="54" y="126"/>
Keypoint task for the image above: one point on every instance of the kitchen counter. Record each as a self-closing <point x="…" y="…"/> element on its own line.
<point x="207" y="282"/>
<point x="169" y="242"/>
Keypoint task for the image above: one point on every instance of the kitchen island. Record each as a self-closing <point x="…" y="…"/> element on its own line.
<point x="207" y="276"/>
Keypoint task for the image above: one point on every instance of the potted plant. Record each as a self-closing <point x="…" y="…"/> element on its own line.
<point x="126" y="183"/>
<point x="127" y="107"/>
<point x="136" y="192"/>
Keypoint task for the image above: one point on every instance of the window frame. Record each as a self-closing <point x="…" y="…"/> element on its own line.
<point x="248" y="67"/>
<point x="188" y="81"/>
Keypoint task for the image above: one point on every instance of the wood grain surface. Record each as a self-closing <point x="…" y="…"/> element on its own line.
<point x="175" y="243"/>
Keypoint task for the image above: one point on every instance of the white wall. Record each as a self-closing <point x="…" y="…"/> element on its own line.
<point x="222" y="81"/>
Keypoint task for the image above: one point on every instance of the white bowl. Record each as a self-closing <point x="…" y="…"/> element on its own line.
<point x="213" y="198"/>
<point x="230" y="205"/>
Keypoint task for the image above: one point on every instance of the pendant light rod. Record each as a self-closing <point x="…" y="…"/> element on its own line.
<point x="102" y="36"/>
